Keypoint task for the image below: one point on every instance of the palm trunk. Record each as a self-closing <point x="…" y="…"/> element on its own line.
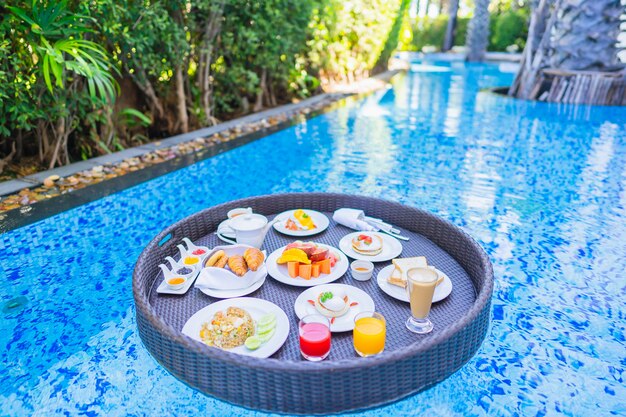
<point x="533" y="57"/>
<point x="448" y="42"/>
<point x="571" y="53"/>
<point x="478" y="32"/>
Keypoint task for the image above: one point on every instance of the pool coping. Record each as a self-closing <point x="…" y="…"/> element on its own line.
<point x="11" y="186"/>
<point x="292" y="114"/>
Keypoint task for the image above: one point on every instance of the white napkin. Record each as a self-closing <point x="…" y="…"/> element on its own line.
<point x="222" y="279"/>
<point x="353" y="219"/>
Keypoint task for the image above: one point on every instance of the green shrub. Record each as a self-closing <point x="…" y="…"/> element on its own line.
<point x="508" y="28"/>
<point x="432" y="31"/>
<point x="182" y="64"/>
<point x="348" y="37"/>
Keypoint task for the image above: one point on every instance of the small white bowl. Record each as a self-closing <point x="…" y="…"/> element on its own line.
<point x="361" y="270"/>
<point x="176" y="286"/>
<point x="187" y="275"/>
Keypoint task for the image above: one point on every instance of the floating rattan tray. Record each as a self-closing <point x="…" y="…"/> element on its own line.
<point x="285" y="382"/>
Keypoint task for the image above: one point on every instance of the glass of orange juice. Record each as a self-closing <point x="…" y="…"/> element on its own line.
<point x="370" y="330"/>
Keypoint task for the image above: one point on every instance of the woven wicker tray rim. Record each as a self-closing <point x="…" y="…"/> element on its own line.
<point x="483" y="299"/>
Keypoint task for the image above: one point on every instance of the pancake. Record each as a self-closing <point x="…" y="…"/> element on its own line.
<point x="367" y="244"/>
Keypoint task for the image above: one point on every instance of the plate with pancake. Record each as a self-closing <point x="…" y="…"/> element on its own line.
<point x="370" y="246"/>
<point x="391" y="280"/>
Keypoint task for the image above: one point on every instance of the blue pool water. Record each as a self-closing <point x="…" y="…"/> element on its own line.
<point x="541" y="187"/>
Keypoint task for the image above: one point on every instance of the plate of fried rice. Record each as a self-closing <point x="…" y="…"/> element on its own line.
<point x="228" y="323"/>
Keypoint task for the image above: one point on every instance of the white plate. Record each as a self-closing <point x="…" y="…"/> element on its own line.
<point x="320" y="220"/>
<point x="343" y="323"/>
<point x="441" y="291"/>
<point x="257" y="308"/>
<point x="166" y="289"/>
<point x="234" y="293"/>
<point x="392" y="247"/>
<point x="280" y="272"/>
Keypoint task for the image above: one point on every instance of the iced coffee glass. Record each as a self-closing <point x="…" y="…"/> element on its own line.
<point x="421" y="283"/>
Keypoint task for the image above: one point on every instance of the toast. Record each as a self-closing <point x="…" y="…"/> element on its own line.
<point x="398" y="276"/>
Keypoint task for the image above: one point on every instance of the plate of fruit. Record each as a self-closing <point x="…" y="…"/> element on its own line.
<point x="301" y="222"/>
<point x="306" y="264"/>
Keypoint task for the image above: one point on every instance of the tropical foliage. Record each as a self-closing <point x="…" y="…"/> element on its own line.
<point x="78" y="79"/>
<point x="509" y="27"/>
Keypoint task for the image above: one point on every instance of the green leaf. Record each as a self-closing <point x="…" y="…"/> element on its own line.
<point x="22" y="15"/>
<point x="136" y="113"/>
<point x="46" y="72"/>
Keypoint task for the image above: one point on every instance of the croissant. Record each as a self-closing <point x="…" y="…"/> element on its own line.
<point x="254" y="258"/>
<point x="237" y="264"/>
<point x="221" y="262"/>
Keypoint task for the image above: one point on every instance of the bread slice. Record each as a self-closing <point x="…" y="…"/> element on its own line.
<point x="404" y="264"/>
<point x="396" y="278"/>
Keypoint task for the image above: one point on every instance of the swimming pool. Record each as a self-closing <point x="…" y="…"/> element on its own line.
<point x="541" y="187"/>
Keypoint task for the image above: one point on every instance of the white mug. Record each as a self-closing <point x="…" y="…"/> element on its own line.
<point x="238" y="212"/>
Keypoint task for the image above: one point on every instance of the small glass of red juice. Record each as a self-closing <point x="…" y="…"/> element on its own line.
<point x="314" y="337"/>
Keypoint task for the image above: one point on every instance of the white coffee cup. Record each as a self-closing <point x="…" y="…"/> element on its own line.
<point x="249" y="229"/>
<point x="238" y="212"/>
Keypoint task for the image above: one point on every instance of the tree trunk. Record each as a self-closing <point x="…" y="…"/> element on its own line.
<point x="448" y="42"/>
<point x="478" y="32"/>
<point x="258" y="105"/>
<point x="440" y="10"/>
<point x="183" y="118"/>
<point x="584" y="35"/>
<point x="417" y="7"/>
<point x="427" y="7"/>
<point x="6" y="160"/>
<point x="211" y="31"/>
<point x="141" y="80"/>
<point x="533" y="56"/>
<point x="571" y="53"/>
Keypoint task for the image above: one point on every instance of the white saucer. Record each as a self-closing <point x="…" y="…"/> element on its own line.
<point x="392" y="248"/>
<point x="343" y="323"/>
<point x="225" y="231"/>
<point x="441" y="291"/>
<point x="320" y="220"/>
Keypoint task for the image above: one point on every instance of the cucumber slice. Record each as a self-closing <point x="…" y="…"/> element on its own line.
<point x="266" y="320"/>
<point x="265" y="337"/>
<point x="253" y="342"/>
<point x="265" y="329"/>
